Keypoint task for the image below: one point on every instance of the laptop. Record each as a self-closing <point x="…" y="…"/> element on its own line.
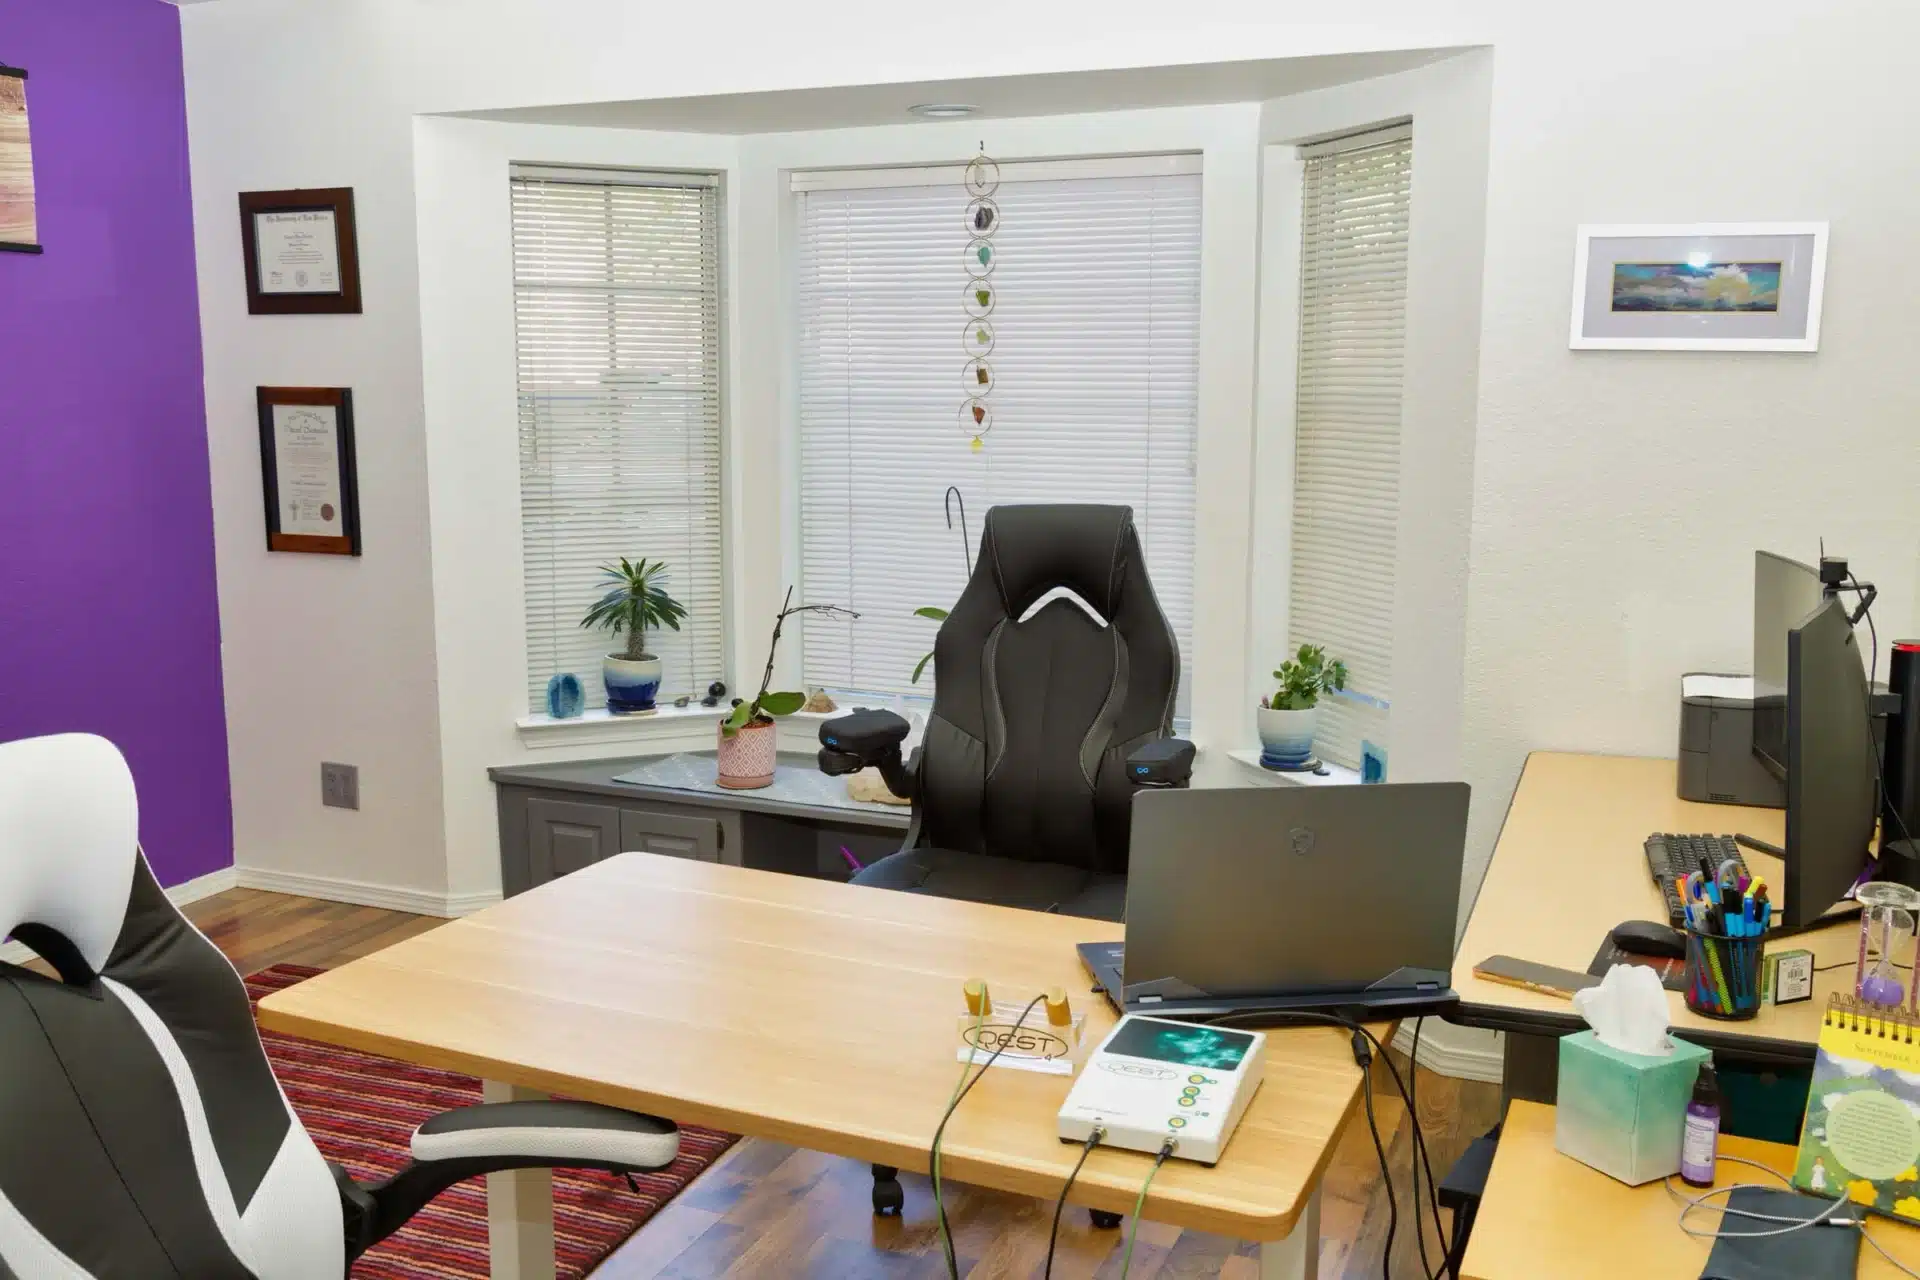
<point x="1272" y="898"/>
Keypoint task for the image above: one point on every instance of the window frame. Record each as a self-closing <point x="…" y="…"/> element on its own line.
<point x="536" y="726"/>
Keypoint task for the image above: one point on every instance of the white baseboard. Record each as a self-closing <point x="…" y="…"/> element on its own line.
<point x="1464" y="1053"/>
<point x="180" y="895"/>
<point x="362" y="893"/>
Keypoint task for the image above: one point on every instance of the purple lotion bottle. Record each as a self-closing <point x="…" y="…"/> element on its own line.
<point x="1701" y="1138"/>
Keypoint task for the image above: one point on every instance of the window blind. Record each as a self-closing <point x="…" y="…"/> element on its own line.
<point x="1094" y="398"/>
<point x="617" y="327"/>
<point x="1346" y="502"/>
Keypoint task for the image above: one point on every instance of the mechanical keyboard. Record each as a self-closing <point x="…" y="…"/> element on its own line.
<point x="1670" y="857"/>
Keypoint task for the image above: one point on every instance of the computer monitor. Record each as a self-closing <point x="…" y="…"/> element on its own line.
<point x="1831" y="790"/>
<point x="1785" y="593"/>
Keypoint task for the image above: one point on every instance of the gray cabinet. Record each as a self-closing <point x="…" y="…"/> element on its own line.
<point x="556" y="819"/>
<point x="566" y="835"/>
<point x="547" y="833"/>
<point x="650" y="830"/>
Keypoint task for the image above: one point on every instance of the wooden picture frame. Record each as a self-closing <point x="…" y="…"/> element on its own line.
<point x="19" y="228"/>
<point x="309" y="263"/>
<point x="307" y="470"/>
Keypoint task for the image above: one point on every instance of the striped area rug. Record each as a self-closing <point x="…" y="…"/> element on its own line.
<point x="361" y="1110"/>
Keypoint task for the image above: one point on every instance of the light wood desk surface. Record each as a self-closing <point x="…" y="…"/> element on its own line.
<point x="812" y="1013"/>
<point x="1570" y="865"/>
<point x="1545" y="1214"/>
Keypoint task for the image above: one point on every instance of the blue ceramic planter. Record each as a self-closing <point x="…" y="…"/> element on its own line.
<point x="630" y="685"/>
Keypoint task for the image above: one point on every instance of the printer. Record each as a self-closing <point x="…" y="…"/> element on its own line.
<point x="1717" y="763"/>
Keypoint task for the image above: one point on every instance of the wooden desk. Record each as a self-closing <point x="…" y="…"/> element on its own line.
<point x="1545" y="1214"/>
<point x="812" y="1013"/>
<point x="1570" y="865"/>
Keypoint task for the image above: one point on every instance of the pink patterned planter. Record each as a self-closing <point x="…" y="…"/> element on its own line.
<point x="746" y="759"/>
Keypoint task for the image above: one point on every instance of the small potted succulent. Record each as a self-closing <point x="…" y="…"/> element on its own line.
<point x="1286" y="717"/>
<point x="636" y="599"/>
<point x="749" y="739"/>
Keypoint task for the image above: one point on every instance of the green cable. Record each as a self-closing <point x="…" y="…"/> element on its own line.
<point x="940" y="1208"/>
<point x="1126" y="1259"/>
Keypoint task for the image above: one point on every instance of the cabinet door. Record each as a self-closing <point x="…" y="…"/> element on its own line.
<point x="565" y="835"/>
<point x="676" y="835"/>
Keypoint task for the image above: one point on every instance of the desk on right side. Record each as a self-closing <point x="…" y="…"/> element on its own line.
<point x="1569" y="866"/>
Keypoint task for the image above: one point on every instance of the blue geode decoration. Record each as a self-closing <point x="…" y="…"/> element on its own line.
<point x="565" y="698"/>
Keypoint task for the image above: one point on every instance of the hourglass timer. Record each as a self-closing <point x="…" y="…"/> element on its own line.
<point x="1887" y="944"/>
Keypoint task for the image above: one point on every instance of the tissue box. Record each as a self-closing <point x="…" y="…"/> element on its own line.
<point x="1623" y="1113"/>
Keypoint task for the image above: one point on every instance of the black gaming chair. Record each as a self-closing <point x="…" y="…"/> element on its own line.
<point x="1043" y="727"/>
<point x="142" y="1133"/>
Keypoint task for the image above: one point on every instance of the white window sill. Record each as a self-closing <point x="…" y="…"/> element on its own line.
<point x="1337" y="775"/>
<point x="667" y="725"/>
<point x="600" y="725"/>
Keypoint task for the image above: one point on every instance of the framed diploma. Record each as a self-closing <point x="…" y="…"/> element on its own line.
<point x="302" y="255"/>
<point x="307" y="470"/>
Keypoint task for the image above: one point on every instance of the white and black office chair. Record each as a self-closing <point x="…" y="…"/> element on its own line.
<point x="142" y="1132"/>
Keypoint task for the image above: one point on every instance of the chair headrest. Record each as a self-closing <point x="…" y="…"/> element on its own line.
<point x="69" y="839"/>
<point x="1033" y="549"/>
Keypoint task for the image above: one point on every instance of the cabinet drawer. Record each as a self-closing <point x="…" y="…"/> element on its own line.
<point x="566" y="835"/>
<point x="674" y="834"/>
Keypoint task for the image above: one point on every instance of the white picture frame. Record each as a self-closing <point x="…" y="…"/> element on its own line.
<point x="1707" y="270"/>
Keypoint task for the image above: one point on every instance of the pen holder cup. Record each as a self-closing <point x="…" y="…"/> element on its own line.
<point x="1723" y="975"/>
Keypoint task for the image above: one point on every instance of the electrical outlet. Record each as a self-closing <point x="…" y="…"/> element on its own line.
<point x="340" y="785"/>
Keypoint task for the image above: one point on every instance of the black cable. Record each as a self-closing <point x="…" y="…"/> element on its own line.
<point x="1365" y="1060"/>
<point x="1420" y="1148"/>
<point x="946" y="1229"/>
<point x="1053" y="1237"/>
<point x="1271" y="1017"/>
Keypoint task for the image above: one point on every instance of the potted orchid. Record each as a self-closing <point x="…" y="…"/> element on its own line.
<point x="749" y="738"/>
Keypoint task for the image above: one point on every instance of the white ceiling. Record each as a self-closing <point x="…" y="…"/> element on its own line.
<point x="1062" y="93"/>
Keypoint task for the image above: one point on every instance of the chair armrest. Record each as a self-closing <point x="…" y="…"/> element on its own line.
<point x="560" y="1133"/>
<point x="868" y="739"/>
<point x="1164" y="762"/>
<point x="460" y="1144"/>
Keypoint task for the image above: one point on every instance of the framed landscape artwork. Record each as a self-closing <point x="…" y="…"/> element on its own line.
<point x="18" y="231"/>
<point x="1720" y="286"/>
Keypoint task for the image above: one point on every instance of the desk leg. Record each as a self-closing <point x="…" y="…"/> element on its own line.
<point x="519" y="1208"/>
<point x="1530" y="1069"/>
<point x="1298" y="1256"/>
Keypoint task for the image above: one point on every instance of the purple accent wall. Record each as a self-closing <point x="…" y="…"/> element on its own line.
<point x="109" y="621"/>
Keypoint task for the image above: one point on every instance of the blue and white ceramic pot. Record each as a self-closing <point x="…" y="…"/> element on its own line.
<point x="630" y="684"/>
<point x="1286" y="737"/>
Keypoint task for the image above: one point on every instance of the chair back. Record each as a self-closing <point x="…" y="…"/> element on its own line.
<point x="142" y="1132"/>
<point x="1035" y="710"/>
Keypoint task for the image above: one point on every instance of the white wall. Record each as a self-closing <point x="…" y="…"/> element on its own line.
<point x="1619" y="496"/>
<point x="324" y="658"/>
<point x="1616" y="496"/>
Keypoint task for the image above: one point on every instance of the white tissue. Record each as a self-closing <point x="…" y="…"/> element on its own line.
<point x="1628" y="1011"/>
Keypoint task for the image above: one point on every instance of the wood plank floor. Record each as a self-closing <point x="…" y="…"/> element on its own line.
<point x="772" y="1210"/>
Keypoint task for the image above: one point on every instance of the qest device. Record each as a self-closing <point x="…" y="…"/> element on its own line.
<point x="1154" y="1078"/>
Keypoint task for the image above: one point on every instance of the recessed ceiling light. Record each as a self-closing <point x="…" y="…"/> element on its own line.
<point x="944" y="110"/>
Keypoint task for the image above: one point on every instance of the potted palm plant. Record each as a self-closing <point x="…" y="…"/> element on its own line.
<point x="749" y="739"/>
<point x="636" y="599"/>
<point x="1287" y="716"/>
